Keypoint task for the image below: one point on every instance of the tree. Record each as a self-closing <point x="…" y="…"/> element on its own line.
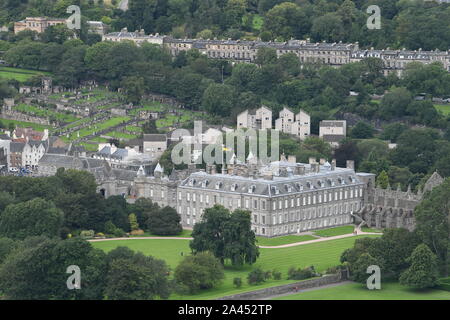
<point x="165" y="221"/>
<point x="240" y="239"/>
<point x="287" y="20"/>
<point x="150" y="127"/>
<point x="219" y="99"/>
<point x="31" y="218"/>
<point x="36" y="270"/>
<point x="133" y="276"/>
<point x="227" y="235"/>
<point x="395" y="103"/>
<point x="423" y="272"/>
<point x="362" y="130"/>
<point x="199" y="271"/>
<point x="134" y="89"/>
<point x="266" y="56"/>
<point x="359" y="268"/>
<point x="328" y="27"/>
<point x="383" y="180"/>
<point x="7" y="246"/>
<point x="133" y="222"/>
<point x="432" y="223"/>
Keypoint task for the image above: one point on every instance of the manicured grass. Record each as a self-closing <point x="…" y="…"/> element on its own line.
<point x="97" y="127"/>
<point x="19" y="74"/>
<point x="283" y="240"/>
<point x="337" y="231"/>
<point x="121" y="135"/>
<point x="45" y="113"/>
<point x="24" y="124"/>
<point x="357" y="291"/>
<point x="322" y="255"/>
<point x="444" y="108"/>
<point x="133" y="128"/>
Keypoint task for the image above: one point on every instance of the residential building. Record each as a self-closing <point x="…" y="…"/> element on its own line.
<point x="296" y="124"/>
<point x="333" y="131"/>
<point x="38" y="24"/>
<point x="137" y="37"/>
<point x="259" y="119"/>
<point x="154" y="145"/>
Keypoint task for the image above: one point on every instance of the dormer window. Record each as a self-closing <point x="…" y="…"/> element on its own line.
<point x="252" y="189"/>
<point x="288" y="188"/>
<point x="205" y="183"/>
<point x="234" y="187"/>
<point x="275" y="190"/>
<point x="219" y="185"/>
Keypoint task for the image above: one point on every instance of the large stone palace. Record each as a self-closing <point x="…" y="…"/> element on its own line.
<point x="284" y="197"/>
<point x="334" y="54"/>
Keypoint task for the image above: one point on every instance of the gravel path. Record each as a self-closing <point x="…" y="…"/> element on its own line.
<point x="264" y="247"/>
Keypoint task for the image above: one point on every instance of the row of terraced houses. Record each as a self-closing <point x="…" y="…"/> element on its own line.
<point x="334" y="54"/>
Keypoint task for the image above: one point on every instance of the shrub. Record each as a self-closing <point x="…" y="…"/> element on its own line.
<point x="256" y="276"/>
<point x="138" y="232"/>
<point x="237" y="282"/>
<point x="300" y="274"/>
<point x="87" y="234"/>
<point x="276" y="275"/>
<point x="199" y="271"/>
<point x="119" y="233"/>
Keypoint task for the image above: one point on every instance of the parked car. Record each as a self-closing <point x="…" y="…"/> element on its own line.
<point x="13" y="169"/>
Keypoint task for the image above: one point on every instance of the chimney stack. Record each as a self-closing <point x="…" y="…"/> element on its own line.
<point x="299" y="170"/>
<point x="312" y="160"/>
<point x="292" y="159"/>
<point x="333" y="164"/>
<point x="322" y="161"/>
<point x="268" y="175"/>
<point x="315" y="168"/>
<point x="351" y="164"/>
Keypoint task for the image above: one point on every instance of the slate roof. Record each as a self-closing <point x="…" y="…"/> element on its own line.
<point x="16" y="146"/>
<point x="279" y="186"/>
<point x="155" y="137"/>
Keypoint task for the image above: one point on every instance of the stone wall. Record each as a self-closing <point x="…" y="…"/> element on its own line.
<point x="288" y="288"/>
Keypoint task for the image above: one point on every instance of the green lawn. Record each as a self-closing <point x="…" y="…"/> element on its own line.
<point x="337" y="231"/>
<point x="121" y="135"/>
<point x="45" y="113"/>
<point x="444" y="108"/>
<point x="322" y="255"/>
<point x="24" y="124"/>
<point x="357" y="291"/>
<point x="97" y="127"/>
<point x="19" y="74"/>
<point x="283" y="240"/>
